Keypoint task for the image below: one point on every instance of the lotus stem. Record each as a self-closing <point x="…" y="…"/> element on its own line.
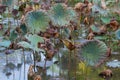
<point x="69" y="64"/>
<point x="75" y="64"/>
<point x="34" y="60"/>
<point x="44" y="68"/>
<point x="24" y="62"/>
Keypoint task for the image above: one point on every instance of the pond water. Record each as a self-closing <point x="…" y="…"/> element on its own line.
<point x="14" y="67"/>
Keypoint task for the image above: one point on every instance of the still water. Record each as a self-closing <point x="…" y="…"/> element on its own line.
<point x="15" y="66"/>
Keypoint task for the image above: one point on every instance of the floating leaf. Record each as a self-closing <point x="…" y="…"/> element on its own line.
<point x="37" y="21"/>
<point x="93" y="51"/>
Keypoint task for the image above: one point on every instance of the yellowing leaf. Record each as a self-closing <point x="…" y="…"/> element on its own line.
<point x="68" y="44"/>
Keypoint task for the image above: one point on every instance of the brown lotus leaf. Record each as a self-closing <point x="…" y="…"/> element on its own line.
<point x="106" y="74"/>
<point x="41" y="45"/>
<point x="1" y="26"/>
<point x="36" y="6"/>
<point x="117" y="12"/>
<point x="103" y="4"/>
<point x="14" y="45"/>
<point x="30" y="71"/>
<point x="50" y="54"/>
<point x="49" y="33"/>
<point x="22" y="19"/>
<point x="86" y="20"/>
<point x="28" y="8"/>
<point x="18" y="30"/>
<point x="45" y="6"/>
<point x="90" y="36"/>
<point x="68" y="44"/>
<point x="109" y="52"/>
<point x="79" y="6"/>
<point x="14" y="12"/>
<point x="66" y="1"/>
<point x="89" y="7"/>
<point x="86" y="1"/>
<point x="2" y="8"/>
<point x="72" y="27"/>
<point x="56" y="35"/>
<point x="7" y="32"/>
<point x="116" y="1"/>
<point x="37" y="77"/>
<point x="114" y="24"/>
<point x="46" y="35"/>
<point x="103" y="29"/>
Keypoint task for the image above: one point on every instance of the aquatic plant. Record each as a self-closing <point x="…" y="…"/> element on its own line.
<point x="60" y="15"/>
<point x="93" y="51"/>
<point x="37" y="21"/>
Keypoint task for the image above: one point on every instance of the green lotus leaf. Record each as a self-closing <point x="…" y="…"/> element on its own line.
<point x="23" y="27"/>
<point x="94" y="28"/>
<point x="25" y="44"/>
<point x="5" y="43"/>
<point x="32" y="42"/>
<point x="37" y="21"/>
<point x="61" y="16"/>
<point x="117" y="34"/>
<point x="105" y="20"/>
<point x="34" y="39"/>
<point x="93" y="51"/>
<point x="7" y="2"/>
<point x="13" y="35"/>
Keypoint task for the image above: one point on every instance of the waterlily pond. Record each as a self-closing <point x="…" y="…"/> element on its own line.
<point x="59" y="40"/>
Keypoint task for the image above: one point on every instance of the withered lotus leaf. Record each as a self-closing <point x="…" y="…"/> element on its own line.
<point x="30" y="70"/>
<point x="37" y="77"/>
<point x="103" y="4"/>
<point x="114" y="24"/>
<point x="106" y="74"/>
<point x="90" y="36"/>
<point x="68" y="44"/>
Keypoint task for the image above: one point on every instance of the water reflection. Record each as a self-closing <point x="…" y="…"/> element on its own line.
<point x="14" y="68"/>
<point x="114" y="64"/>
